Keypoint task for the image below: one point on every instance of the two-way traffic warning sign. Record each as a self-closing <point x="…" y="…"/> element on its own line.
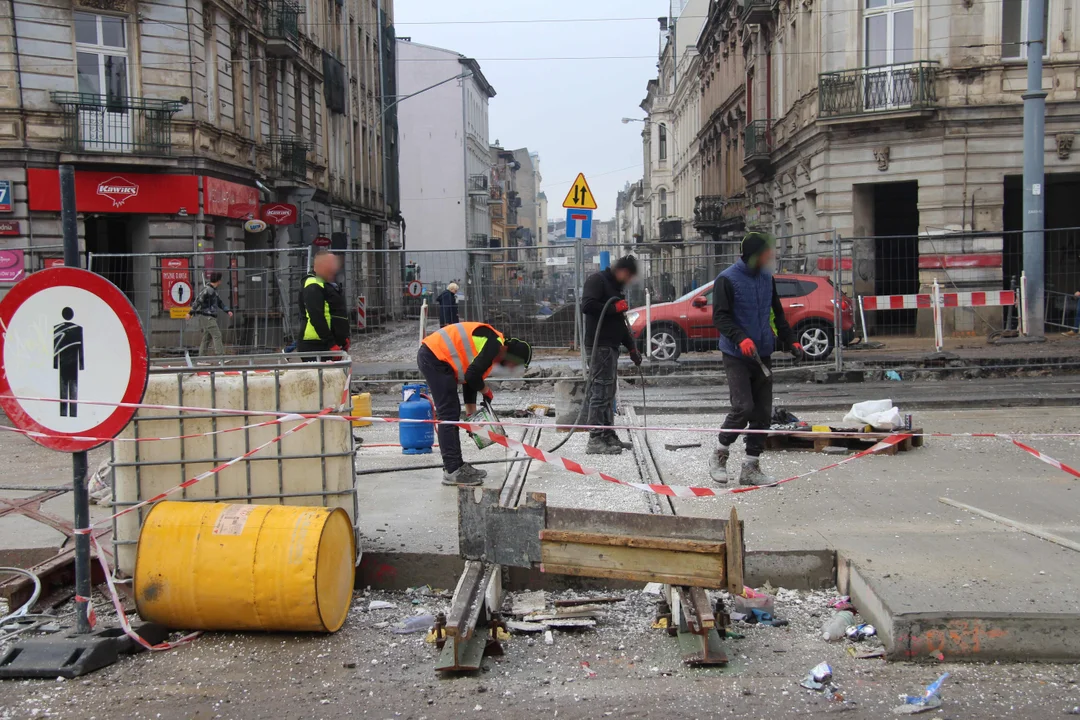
<point x="580" y="196"/>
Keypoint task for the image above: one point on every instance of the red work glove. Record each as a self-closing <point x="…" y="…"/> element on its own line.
<point x="335" y="348"/>
<point x="622" y="306"/>
<point x="635" y="356"/>
<point x="488" y="395"/>
<point x="748" y="347"/>
<point x="797" y="352"/>
<point x="348" y="343"/>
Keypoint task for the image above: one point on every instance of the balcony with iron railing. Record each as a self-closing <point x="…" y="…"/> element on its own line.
<point x="758" y="141"/>
<point x="905" y="88"/>
<point x="716" y="212"/>
<point x="753" y="12"/>
<point x="100" y="124"/>
<point x="478" y="185"/>
<point x="478" y="241"/>
<point x="289" y="157"/>
<point x="495" y="195"/>
<point x="281" y="26"/>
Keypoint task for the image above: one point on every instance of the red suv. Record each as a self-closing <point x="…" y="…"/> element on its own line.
<point x="687" y="323"/>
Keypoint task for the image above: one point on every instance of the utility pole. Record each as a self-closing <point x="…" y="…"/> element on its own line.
<point x="1034" y="184"/>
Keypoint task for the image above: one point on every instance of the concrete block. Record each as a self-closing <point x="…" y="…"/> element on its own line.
<point x="795" y="569"/>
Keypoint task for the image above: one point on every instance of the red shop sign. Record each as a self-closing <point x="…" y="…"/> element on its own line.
<point x="279" y="214"/>
<point x="229" y="199"/>
<point x="116" y="192"/>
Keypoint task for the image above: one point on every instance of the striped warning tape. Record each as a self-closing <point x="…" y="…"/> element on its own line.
<point x="681" y="491"/>
<point x="1044" y="457"/>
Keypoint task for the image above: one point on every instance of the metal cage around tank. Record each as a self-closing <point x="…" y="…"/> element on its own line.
<point x="315" y="476"/>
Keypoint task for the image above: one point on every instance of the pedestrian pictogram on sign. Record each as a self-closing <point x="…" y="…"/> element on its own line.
<point x="176" y="289"/>
<point x="580" y="196"/>
<point x="71" y="338"/>
<point x="414" y="288"/>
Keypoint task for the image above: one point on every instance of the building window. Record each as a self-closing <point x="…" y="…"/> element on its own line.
<point x="663" y="199"/>
<point x="663" y="141"/>
<point x="889" y="32"/>
<point x="101" y="57"/>
<point x="1014" y="29"/>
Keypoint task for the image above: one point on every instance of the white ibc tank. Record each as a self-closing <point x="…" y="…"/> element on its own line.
<point x="313" y="467"/>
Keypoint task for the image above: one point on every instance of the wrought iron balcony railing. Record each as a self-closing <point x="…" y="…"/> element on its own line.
<point x="479" y="241"/>
<point x="884" y="88"/>
<point x="758" y="140"/>
<point x="100" y="124"/>
<point x="281" y="21"/>
<point x="289" y="157"/>
<point x="478" y="185"/>
<point x="715" y="210"/>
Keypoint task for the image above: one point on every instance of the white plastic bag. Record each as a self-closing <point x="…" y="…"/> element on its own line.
<point x="880" y="414"/>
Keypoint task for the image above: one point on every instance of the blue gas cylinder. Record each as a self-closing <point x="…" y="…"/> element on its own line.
<point x="416" y="438"/>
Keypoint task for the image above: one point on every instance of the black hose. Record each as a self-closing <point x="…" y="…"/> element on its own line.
<point x="588" y="381"/>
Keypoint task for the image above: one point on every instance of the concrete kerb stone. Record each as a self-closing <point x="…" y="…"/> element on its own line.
<point x="962" y="635"/>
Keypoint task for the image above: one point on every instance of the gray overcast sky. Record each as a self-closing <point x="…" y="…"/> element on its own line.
<point x="567" y="110"/>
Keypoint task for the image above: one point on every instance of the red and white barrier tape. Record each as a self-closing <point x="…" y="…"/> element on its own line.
<point x="90" y="438"/>
<point x="681" y="491"/>
<point x="1044" y="457"/>
<point x="989" y="298"/>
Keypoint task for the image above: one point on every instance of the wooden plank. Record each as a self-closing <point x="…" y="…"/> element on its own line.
<point x="734" y="552"/>
<point x="702" y="608"/>
<point x="635" y="524"/>
<point x="660" y="577"/>
<point x="1022" y="527"/>
<point x="655" y="543"/>
<point x="635" y="563"/>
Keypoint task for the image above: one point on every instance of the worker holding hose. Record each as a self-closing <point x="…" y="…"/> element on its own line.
<point x="604" y="308"/>
<point x="744" y="301"/>
<point x="464" y="354"/>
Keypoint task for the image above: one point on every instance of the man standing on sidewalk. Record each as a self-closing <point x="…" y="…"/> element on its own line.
<point x="744" y="295"/>
<point x="326" y="320"/>
<point x="206" y="306"/>
<point x="604" y="358"/>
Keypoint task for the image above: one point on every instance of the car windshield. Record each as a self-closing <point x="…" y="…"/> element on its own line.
<point x="693" y="292"/>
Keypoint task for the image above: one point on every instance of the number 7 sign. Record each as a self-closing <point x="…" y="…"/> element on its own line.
<point x="5" y="196"/>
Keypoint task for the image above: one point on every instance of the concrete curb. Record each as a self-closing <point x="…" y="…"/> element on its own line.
<point x="962" y="635"/>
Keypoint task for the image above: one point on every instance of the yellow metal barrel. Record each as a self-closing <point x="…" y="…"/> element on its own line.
<point x="216" y="566"/>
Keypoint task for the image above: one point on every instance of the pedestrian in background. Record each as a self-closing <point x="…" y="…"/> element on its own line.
<point x="206" y="306"/>
<point x="326" y="319"/>
<point x="608" y="284"/>
<point x="744" y="301"/>
<point x="447" y="300"/>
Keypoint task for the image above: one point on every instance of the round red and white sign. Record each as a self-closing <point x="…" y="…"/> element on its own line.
<point x="70" y="337"/>
<point x="414" y="288"/>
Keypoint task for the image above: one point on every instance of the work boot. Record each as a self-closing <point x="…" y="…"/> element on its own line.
<point x="718" y="465"/>
<point x="613" y="439"/>
<point x="598" y="445"/>
<point x="464" y="475"/>
<point x="752" y="475"/>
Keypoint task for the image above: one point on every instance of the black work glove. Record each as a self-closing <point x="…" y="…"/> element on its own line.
<point x="635" y="356"/>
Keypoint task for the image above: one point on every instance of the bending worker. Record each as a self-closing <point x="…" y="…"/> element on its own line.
<point x="599" y="288"/>
<point x="744" y="295"/>
<point x="464" y="354"/>
<point x="326" y="320"/>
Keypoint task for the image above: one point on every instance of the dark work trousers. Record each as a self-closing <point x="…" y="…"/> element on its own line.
<point x="751" y="402"/>
<point x="309" y="346"/>
<point x="444" y="391"/>
<point x="603" y="372"/>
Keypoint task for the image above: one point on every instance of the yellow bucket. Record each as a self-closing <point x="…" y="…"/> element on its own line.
<point x="361" y="407"/>
<point x="216" y="566"/>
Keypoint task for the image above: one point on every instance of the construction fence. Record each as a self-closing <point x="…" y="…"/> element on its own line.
<point x="836" y="290"/>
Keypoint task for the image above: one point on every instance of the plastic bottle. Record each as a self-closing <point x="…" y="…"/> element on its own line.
<point x="837" y="625"/>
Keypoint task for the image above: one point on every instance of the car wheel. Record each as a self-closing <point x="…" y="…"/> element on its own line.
<point x="666" y="343"/>
<point x="816" y="341"/>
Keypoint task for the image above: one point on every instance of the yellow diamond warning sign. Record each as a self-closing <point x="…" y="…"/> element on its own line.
<point x="580" y="196"/>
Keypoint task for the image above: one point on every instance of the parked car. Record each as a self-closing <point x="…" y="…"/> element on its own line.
<point x="687" y="323"/>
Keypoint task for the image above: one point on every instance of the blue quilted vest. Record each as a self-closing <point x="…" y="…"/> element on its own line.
<point x="753" y="303"/>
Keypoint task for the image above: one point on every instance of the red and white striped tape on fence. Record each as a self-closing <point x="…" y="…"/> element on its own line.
<point x="989" y="298"/>
<point x="1044" y="457"/>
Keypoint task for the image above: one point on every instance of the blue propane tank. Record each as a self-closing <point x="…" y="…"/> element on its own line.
<point x="416" y="438"/>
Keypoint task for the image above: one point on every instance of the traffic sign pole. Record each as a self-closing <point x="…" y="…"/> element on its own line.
<point x="79" y="465"/>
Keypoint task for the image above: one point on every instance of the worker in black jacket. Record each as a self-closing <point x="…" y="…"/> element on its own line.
<point x="326" y="319"/>
<point x="599" y="288"/>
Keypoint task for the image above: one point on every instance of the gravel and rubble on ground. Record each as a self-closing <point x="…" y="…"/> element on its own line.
<point x="622" y="667"/>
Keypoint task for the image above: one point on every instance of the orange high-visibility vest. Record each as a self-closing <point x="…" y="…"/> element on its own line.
<point x="456" y="346"/>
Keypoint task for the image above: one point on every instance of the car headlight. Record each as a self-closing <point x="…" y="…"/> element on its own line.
<point x="632" y="318"/>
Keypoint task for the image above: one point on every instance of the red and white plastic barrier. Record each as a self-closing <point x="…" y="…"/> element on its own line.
<point x="936" y="301"/>
<point x="361" y="312"/>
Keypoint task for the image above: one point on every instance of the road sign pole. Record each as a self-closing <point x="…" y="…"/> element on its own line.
<point x="79" y="463"/>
